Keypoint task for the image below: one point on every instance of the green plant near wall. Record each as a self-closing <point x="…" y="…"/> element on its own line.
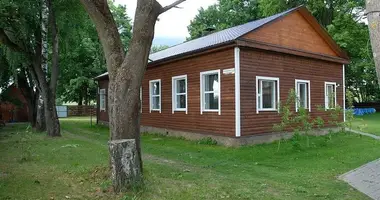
<point x="301" y="123"/>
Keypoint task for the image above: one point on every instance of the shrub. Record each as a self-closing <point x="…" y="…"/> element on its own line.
<point x="207" y="141"/>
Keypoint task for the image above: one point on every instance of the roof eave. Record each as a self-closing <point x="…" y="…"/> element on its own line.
<point x="297" y="52"/>
<point x="191" y="53"/>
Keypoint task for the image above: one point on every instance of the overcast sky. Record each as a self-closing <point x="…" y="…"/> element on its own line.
<point x="171" y="28"/>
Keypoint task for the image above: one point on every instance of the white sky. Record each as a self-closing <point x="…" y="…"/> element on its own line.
<point x="172" y="25"/>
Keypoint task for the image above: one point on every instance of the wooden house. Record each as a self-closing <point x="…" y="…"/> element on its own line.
<point x="230" y="83"/>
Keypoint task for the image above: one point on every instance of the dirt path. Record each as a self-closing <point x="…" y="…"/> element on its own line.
<point x="146" y="157"/>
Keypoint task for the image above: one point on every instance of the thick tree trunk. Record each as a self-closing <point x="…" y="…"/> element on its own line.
<point x="373" y="14"/>
<point x="125" y="76"/>
<point x="49" y="93"/>
<point x="41" y="122"/>
<point x="32" y="113"/>
<point x="125" y="159"/>
<point x="52" y="122"/>
<point x="80" y="100"/>
<point x="124" y="88"/>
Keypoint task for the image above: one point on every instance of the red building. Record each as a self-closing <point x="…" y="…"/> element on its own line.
<point x="16" y="111"/>
<point x="231" y="82"/>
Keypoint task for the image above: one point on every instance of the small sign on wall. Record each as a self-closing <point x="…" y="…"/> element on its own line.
<point x="229" y="71"/>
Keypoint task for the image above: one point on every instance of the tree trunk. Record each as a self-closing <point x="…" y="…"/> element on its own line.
<point x="41" y="122"/>
<point x="80" y="100"/>
<point x="51" y="117"/>
<point x="126" y="160"/>
<point x="373" y="14"/>
<point x="49" y="93"/>
<point x="125" y="77"/>
<point x="124" y="86"/>
<point x="32" y="117"/>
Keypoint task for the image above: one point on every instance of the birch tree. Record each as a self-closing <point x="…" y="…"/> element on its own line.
<point x="21" y="30"/>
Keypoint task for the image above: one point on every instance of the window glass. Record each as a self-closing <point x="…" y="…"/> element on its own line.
<point x="155" y="96"/>
<point x="303" y="94"/>
<point x="155" y="102"/>
<point x="211" y="101"/>
<point x="330" y="101"/>
<point x="181" y="101"/>
<point x="181" y="86"/>
<point x="179" y="93"/>
<point x="268" y="94"/>
<point x="102" y="97"/>
<point x="211" y="91"/>
<point x="156" y="88"/>
<point x="211" y="83"/>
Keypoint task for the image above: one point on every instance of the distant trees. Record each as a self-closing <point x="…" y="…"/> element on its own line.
<point x="23" y="30"/>
<point x="81" y="52"/>
<point x="224" y="14"/>
<point x="157" y="48"/>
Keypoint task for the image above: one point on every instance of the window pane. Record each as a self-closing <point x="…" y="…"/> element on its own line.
<point x="156" y="102"/>
<point x="268" y="94"/>
<point x="156" y="88"/>
<point x="303" y="95"/>
<point x="181" y="86"/>
<point x="211" y="82"/>
<point x="211" y="101"/>
<point x="259" y="100"/>
<point x="181" y="101"/>
<point x="331" y="96"/>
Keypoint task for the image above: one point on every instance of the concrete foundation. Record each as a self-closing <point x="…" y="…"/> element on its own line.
<point x="232" y="141"/>
<point x="229" y="141"/>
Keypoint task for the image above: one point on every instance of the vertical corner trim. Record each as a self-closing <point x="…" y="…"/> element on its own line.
<point x="237" y="93"/>
<point x="344" y="94"/>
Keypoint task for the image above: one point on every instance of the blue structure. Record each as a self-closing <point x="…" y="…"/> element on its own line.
<point x="363" y="111"/>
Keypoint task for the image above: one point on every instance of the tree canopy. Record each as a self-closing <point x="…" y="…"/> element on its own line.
<point x="224" y="14"/>
<point x="82" y="58"/>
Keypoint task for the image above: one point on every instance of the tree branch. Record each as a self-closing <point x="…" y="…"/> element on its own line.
<point x="4" y="39"/>
<point x="173" y="5"/>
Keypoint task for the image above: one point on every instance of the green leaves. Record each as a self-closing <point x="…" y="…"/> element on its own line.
<point x="224" y="14"/>
<point x="81" y="53"/>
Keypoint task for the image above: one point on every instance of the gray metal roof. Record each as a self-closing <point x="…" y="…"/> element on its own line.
<point x="213" y="39"/>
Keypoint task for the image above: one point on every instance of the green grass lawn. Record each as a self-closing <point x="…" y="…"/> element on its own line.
<point x="367" y="123"/>
<point x="33" y="166"/>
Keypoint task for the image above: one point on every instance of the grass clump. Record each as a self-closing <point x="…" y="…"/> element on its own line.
<point x="207" y="141"/>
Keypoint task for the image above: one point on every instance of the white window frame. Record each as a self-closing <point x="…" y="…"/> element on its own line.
<point x="102" y="94"/>
<point x="174" y="93"/>
<point x="297" y="81"/>
<point x="326" y="97"/>
<point x="202" y="90"/>
<point x="258" y="109"/>
<point x="151" y="95"/>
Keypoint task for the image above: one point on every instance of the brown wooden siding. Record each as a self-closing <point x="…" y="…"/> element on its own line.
<point x="208" y="122"/>
<point x="103" y="115"/>
<point x="292" y="31"/>
<point x="287" y="68"/>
